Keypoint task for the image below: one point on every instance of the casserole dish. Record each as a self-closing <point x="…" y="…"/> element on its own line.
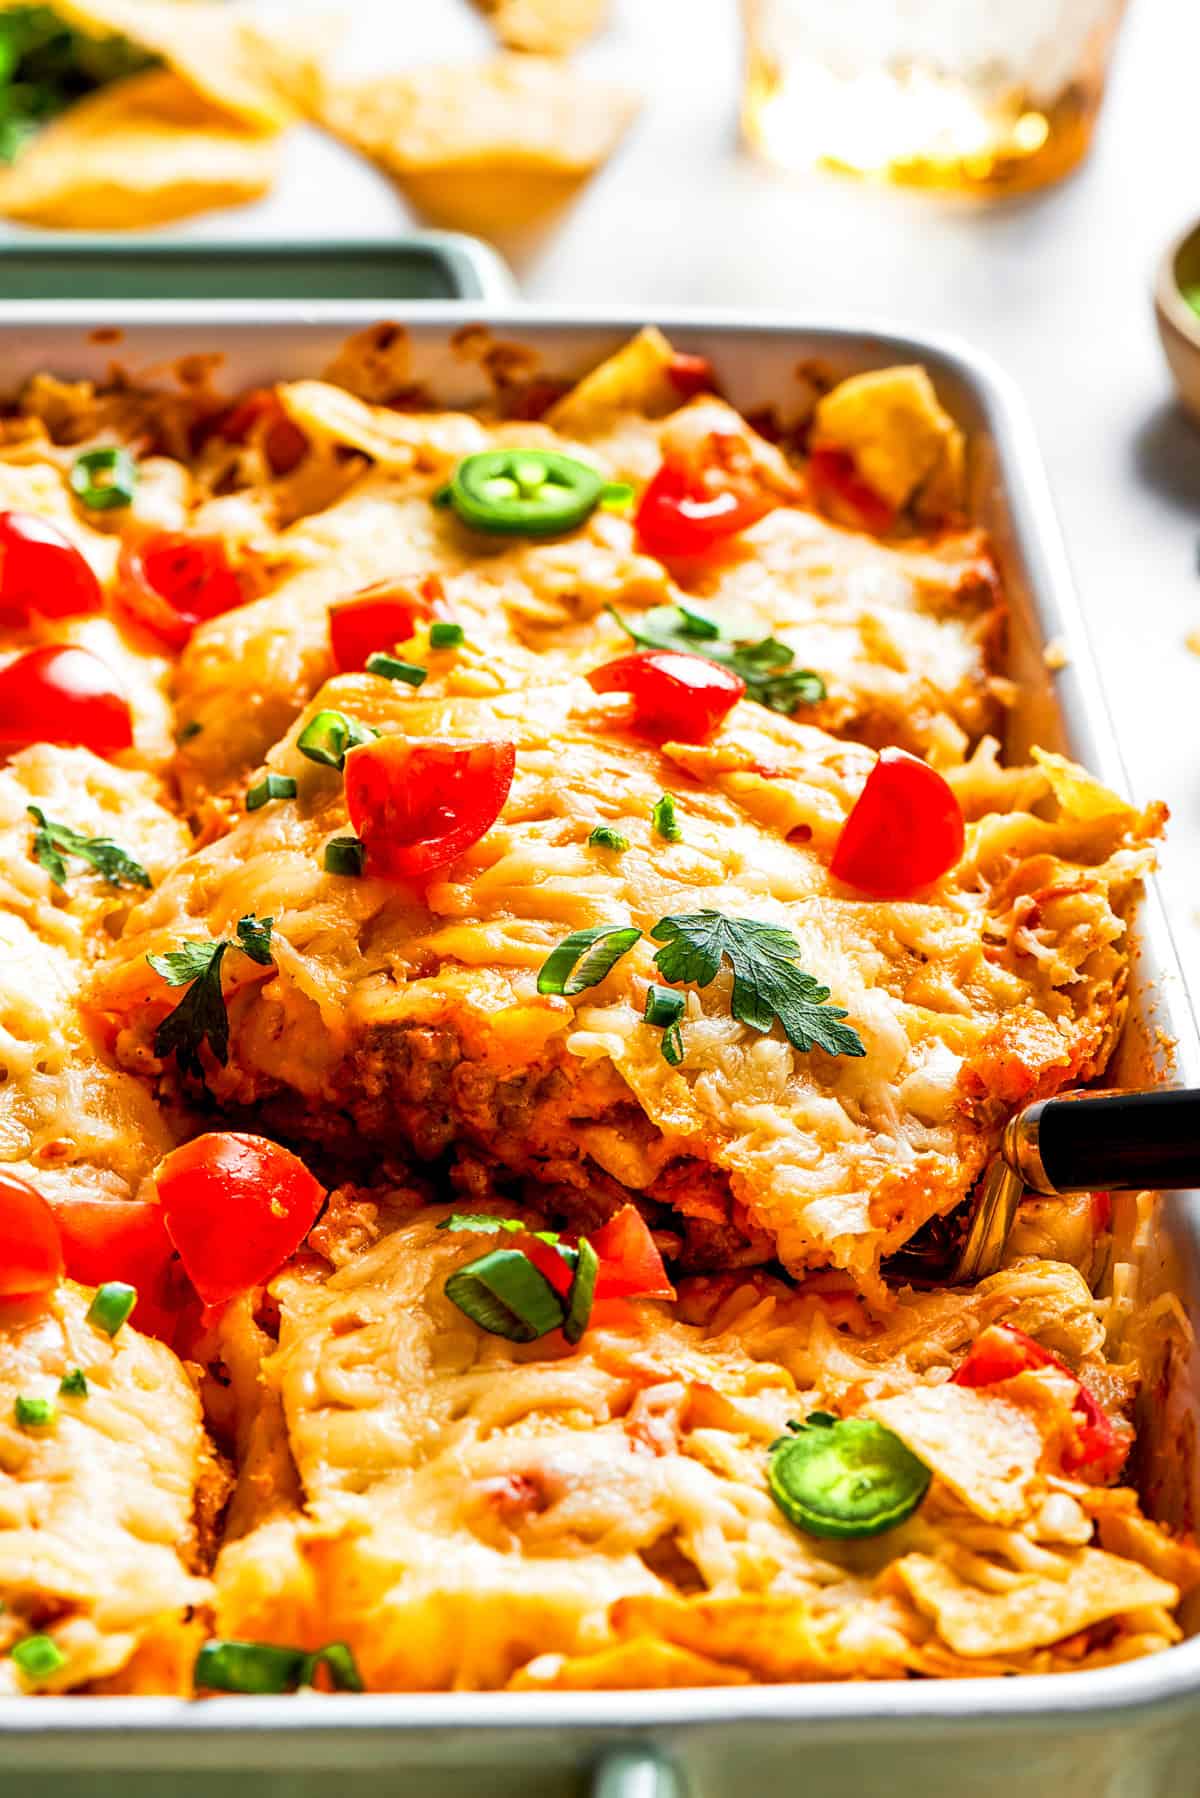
<point x="1125" y="1728"/>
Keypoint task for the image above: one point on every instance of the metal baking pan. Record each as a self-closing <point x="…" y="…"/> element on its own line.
<point x="425" y="265"/>
<point x="1122" y="1732"/>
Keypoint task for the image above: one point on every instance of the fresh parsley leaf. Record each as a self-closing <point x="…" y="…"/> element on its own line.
<point x="666" y="824"/>
<point x="765" y="666"/>
<point x="52" y="842"/>
<point x="201" y="1015"/>
<point x="767" y="984"/>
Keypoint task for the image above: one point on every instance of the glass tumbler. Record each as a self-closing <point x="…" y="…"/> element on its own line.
<point x="977" y="96"/>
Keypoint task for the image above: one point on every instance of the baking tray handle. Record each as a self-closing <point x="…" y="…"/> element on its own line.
<point x="636" y="1773"/>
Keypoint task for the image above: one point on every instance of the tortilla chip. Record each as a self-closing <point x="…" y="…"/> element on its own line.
<point x="1079" y="793"/>
<point x="546" y="27"/>
<point x="636" y="378"/>
<point x="1034" y="1610"/>
<point x="140" y="152"/>
<point x="407" y="440"/>
<point x="485" y="146"/>
<point x="777" y="1637"/>
<point x="984" y="1448"/>
<point x="259" y="71"/>
<point x="904" y="444"/>
<point x="627" y="1667"/>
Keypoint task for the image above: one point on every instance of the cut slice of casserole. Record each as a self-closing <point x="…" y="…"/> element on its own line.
<point x="396" y="1018"/>
<point x="479" y="1514"/>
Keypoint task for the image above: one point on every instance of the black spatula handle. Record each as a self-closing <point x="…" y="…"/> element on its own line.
<point x="1115" y="1141"/>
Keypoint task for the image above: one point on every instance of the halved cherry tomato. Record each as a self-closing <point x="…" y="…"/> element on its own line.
<point x="690" y="506"/>
<point x="31" y="1256"/>
<point x="417" y="804"/>
<point x="690" y="375"/>
<point x="284" y="443"/>
<point x="42" y="572"/>
<point x="171" y="581"/>
<point x="379" y="617"/>
<point x="121" y="1239"/>
<point x="674" y="695"/>
<point x="1002" y="1352"/>
<point x="58" y="694"/>
<point x="235" y="1208"/>
<point x="833" y="475"/>
<point x="630" y="1264"/>
<point x="904" y="831"/>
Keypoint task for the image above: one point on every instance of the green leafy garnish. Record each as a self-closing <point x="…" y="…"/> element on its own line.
<point x="34" y="1413"/>
<point x="605" y="837"/>
<point x="765" y="665"/>
<point x="201" y="1016"/>
<point x="46" y="65"/>
<point x="38" y="1658"/>
<point x="768" y="987"/>
<point x="666" y="824"/>
<point x="585" y="958"/>
<point x="74" y="1384"/>
<point x="264" y="1667"/>
<point x="52" y="842"/>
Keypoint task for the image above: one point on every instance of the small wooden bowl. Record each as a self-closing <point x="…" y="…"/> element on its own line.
<point x="1179" y="322"/>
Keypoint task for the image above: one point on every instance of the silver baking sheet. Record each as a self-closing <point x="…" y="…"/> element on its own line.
<point x="1124" y="1732"/>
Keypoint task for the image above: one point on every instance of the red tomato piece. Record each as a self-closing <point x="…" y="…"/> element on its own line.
<point x="630" y="1264"/>
<point x="171" y="581"/>
<point x="58" y="694"/>
<point x="690" y="375"/>
<point x="235" y="1208"/>
<point x="379" y="617"/>
<point x="904" y="832"/>
<point x="692" y="505"/>
<point x="283" y="442"/>
<point x="41" y="572"/>
<point x="31" y="1256"/>
<point x="833" y="475"/>
<point x="417" y="804"/>
<point x="548" y="1261"/>
<point x="1002" y="1352"/>
<point x="121" y="1239"/>
<point x="675" y="695"/>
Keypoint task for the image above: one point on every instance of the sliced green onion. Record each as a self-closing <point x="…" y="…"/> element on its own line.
<point x="38" y="1657"/>
<point x="616" y="496"/>
<point x="272" y="786"/>
<point x="664" y="1006"/>
<point x="506" y="1295"/>
<point x="482" y="1221"/>
<point x="392" y="668"/>
<point x="559" y="973"/>
<point x="672" y="1045"/>
<point x="34" y="1413"/>
<point x="583" y="1291"/>
<point x="111" y="1306"/>
<point x="845" y="1478"/>
<point x="104" y="478"/>
<point x="74" y="1384"/>
<point x="444" y="634"/>
<point x="665" y="822"/>
<point x="345" y="855"/>
<point x="262" y="1667"/>
<point x="697" y="624"/>
<point x="605" y="837"/>
<point x="328" y="737"/>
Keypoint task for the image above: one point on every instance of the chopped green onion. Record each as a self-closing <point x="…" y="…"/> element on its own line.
<point x="345" y="855"/>
<point x="34" y="1413"/>
<point x="664" y="1006"/>
<point x="104" y="478"/>
<point x="482" y="1221"/>
<point x="443" y="634"/>
<point x="697" y="624"/>
<point x="506" y="1295"/>
<point x="672" y="1045"/>
<point x="38" y="1657"/>
<point x="111" y="1306"/>
<point x="616" y="496"/>
<point x="559" y="973"/>
<point x="272" y="786"/>
<point x="328" y="737"/>
<point x="392" y="668"/>
<point x="665" y="822"/>
<point x="262" y="1667"/>
<point x="74" y="1384"/>
<point x="583" y="1291"/>
<point x="605" y="837"/>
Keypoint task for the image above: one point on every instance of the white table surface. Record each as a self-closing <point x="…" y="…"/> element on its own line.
<point x="1056" y="288"/>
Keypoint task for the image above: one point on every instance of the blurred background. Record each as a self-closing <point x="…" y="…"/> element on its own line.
<point x="1053" y="283"/>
